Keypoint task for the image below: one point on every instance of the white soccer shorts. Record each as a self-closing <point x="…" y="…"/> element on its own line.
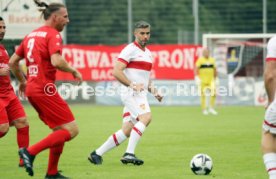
<point x="270" y="118"/>
<point x="135" y="105"/>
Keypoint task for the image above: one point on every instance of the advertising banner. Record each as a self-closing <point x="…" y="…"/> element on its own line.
<point x="95" y="62"/>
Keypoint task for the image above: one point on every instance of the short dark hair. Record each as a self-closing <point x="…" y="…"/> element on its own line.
<point x="1" y="18"/>
<point x="48" y="10"/>
<point x="141" y="24"/>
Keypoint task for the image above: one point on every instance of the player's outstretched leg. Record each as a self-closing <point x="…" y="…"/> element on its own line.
<point x="56" y="176"/>
<point x="54" y="156"/>
<point x="135" y="135"/>
<point x="95" y="158"/>
<point x="27" y="160"/>
<point x="22" y="138"/>
<point x="131" y="158"/>
<point x="113" y="141"/>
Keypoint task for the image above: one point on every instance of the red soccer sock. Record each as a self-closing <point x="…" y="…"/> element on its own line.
<point x="23" y="137"/>
<point x="54" y="156"/>
<point x="54" y="139"/>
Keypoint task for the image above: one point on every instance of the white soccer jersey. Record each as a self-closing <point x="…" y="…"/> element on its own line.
<point x="139" y="63"/>
<point x="271" y="49"/>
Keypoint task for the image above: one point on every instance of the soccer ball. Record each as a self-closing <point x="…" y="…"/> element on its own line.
<point x="201" y="164"/>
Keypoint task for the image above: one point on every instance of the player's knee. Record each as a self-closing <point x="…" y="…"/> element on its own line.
<point x="21" y="122"/>
<point x="74" y="132"/>
<point x="149" y="118"/>
<point x="72" y="128"/>
<point x="4" y="128"/>
<point x="268" y="142"/>
<point x="127" y="127"/>
<point x="145" y="118"/>
<point x="127" y="132"/>
<point x="269" y="77"/>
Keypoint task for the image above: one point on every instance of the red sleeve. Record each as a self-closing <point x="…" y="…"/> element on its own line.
<point x="123" y="61"/>
<point x="54" y="43"/>
<point x="20" y="50"/>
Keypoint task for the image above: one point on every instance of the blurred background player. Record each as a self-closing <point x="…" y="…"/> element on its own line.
<point x="42" y="51"/>
<point x="13" y="113"/>
<point x="205" y="77"/>
<point x="132" y="70"/>
<point x="269" y="124"/>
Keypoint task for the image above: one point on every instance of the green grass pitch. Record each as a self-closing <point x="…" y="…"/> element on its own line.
<point x="175" y="135"/>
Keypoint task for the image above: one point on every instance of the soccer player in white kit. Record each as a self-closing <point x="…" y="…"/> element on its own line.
<point x="132" y="70"/>
<point x="269" y="125"/>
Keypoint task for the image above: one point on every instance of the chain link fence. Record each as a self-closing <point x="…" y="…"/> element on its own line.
<point x="106" y="22"/>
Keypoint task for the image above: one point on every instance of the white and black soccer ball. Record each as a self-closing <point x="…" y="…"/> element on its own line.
<point x="201" y="164"/>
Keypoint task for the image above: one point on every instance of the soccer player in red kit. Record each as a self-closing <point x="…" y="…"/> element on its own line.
<point x="12" y="112"/>
<point x="42" y="51"/>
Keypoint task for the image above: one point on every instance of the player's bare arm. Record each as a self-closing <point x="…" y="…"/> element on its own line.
<point x="118" y="73"/>
<point x="60" y="63"/>
<point x="15" y="68"/>
<point x="18" y="73"/>
<point x="154" y="91"/>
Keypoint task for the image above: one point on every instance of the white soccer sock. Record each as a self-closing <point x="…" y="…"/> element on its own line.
<point x="270" y="164"/>
<point x="113" y="141"/>
<point x="135" y="136"/>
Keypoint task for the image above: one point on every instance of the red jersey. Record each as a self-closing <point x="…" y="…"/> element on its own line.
<point x="5" y="82"/>
<point x="37" y="48"/>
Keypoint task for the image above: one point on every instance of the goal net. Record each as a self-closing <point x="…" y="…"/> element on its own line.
<point x="238" y="54"/>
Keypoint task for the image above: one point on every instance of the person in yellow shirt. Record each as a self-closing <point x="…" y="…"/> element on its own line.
<point x="206" y="79"/>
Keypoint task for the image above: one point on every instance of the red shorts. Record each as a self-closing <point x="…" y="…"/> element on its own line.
<point x="52" y="110"/>
<point x="13" y="109"/>
<point x="3" y="114"/>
